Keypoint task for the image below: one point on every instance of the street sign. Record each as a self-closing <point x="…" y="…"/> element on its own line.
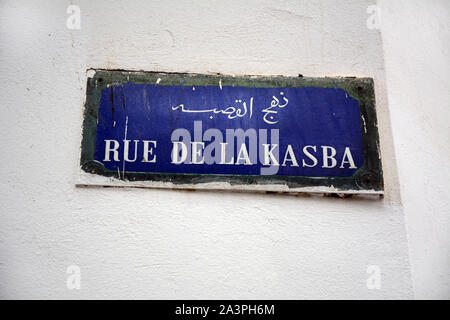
<point x="281" y="134"/>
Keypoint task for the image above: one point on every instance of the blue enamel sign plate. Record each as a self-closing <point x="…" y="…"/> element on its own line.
<point x="272" y="133"/>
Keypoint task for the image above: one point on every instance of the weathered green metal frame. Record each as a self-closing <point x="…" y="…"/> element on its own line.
<point x="369" y="177"/>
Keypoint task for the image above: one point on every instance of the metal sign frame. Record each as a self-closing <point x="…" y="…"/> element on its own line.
<point x="367" y="180"/>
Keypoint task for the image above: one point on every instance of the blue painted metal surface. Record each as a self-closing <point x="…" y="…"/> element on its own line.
<point x="309" y="116"/>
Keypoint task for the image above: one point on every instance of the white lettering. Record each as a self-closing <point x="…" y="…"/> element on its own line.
<point x="197" y="153"/>
<point x="292" y="158"/>
<point x="108" y="150"/>
<point x="327" y="156"/>
<point x="126" y="150"/>
<point x="175" y="152"/>
<point x="310" y="156"/>
<point x="268" y="155"/>
<point x="243" y="151"/>
<point x="149" y="150"/>
<point x="348" y="155"/>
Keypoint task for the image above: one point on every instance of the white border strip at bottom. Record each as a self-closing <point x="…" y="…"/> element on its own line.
<point x="87" y="180"/>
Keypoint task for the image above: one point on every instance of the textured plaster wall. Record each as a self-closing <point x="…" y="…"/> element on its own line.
<point x="416" y="37"/>
<point x="144" y="243"/>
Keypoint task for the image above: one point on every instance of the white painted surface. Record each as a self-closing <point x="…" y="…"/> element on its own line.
<point x="145" y="243"/>
<point x="416" y="36"/>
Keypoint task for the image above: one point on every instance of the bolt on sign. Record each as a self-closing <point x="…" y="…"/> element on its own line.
<point x="271" y="133"/>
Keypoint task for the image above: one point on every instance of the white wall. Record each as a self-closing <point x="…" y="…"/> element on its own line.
<point x="416" y="37"/>
<point x="144" y="243"/>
